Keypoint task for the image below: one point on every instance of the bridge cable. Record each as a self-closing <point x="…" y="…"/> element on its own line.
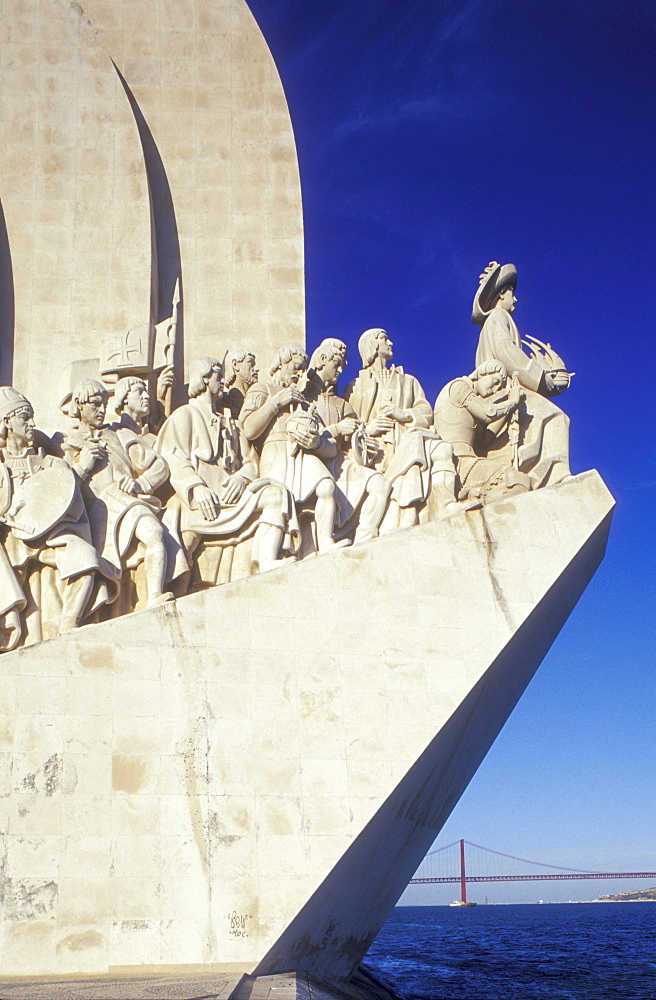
<point x="539" y="864"/>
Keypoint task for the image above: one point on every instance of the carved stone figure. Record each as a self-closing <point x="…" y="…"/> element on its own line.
<point x="47" y="525"/>
<point x="469" y="418"/>
<point x="240" y="372"/>
<point x="395" y="411"/>
<point x="293" y="444"/>
<point x="120" y="472"/>
<point x="362" y="492"/>
<point x="132" y="405"/>
<point x="214" y="472"/>
<point x="544" y="428"/>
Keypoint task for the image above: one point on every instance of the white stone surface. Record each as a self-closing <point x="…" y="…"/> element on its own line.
<point x="247" y="778"/>
<point x="74" y="194"/>
<point x="208" y="88"/>
<point x="214" y="154"/>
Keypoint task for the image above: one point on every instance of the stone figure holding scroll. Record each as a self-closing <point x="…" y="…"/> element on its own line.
<point x="470" y="413"/>
<point x="396" y="413"/>
<point x="362" y="491"/>
<point x="214" y="472"/>
<point x="46" y="526"/>
<point x="544" y="428"/>
<point x="120" y="473"/>
<point x="292" y="441"/>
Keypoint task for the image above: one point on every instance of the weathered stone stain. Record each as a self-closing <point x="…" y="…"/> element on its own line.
<point x="135" y="925"/>
<point x="490" y="551"/>
<point x="52" y="770"/>
<point x="30" y="900"/>
<point x="80" y="942"/>
<point x="98" y="658"/>
<point x="128" y="773"/>
<point x="314" y="699"/>
<point x="46" y="778"/>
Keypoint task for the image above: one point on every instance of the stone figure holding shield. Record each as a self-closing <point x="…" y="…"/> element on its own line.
<point x="46" y="525"/>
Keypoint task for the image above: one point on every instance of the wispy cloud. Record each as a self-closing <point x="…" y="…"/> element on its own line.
<point x="434" y="108"/>
<point x="418" y="77"/>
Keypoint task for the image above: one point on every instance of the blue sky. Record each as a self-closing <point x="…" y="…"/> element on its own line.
<point x="434" y="136"/>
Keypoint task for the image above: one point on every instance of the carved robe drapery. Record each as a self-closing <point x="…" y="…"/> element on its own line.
<point x="351" y="477"/>
<point x="280" y="459"/>
<point x="462" y="419"/>
<point x="204" y="449"/>
<point x="66" y="548"/>
<point x="408" y="449"/>
<point x="113" y="513"/>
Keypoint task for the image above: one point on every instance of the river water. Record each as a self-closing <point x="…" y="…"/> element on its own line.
<point x="555" y="951"/>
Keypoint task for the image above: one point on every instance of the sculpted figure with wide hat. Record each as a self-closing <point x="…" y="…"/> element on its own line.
<point x="496" y="278"/>
<point x="543" y="451"/>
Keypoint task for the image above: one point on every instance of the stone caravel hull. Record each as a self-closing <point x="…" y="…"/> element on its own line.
<point x="247" y="779"/>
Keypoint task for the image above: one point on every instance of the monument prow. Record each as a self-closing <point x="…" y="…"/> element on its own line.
<point x="345" y="593"/>
<point x="246" y="779"/>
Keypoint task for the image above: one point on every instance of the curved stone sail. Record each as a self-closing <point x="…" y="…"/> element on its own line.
<point x="229" y="202"/>
<point x="75" y="256"/>
<point x="142" y="143"/>
<point x="249" y="777"/>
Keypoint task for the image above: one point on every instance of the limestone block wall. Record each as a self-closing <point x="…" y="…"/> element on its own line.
<point x="111" y="108"/>
<point x="208" y="88"/>
<point x="246" y="779"/>
<point x="75" y="250"/>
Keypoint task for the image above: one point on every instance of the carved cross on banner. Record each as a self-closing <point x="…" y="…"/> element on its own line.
<point x="123" y="349"/>
<point x="127" y="352"/>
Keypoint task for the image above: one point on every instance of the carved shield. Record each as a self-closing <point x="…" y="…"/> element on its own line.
<point x="41" y="501"/>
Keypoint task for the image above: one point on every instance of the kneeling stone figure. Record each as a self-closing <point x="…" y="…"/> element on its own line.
<point x="472" y="421"/>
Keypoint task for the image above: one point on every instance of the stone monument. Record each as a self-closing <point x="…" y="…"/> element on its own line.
<point x="257" y="635"/>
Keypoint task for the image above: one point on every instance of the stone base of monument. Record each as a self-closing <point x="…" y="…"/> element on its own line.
<point x="243" y="782"/>
<point x="363" y="985"/>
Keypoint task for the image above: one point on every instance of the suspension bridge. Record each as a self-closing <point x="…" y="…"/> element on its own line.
<point x="453" y="863"/>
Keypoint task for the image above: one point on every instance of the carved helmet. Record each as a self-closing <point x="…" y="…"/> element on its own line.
<point x="11" y="400"/>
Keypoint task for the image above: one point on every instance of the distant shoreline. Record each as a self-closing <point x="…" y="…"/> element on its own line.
<point x="554" y="902"/>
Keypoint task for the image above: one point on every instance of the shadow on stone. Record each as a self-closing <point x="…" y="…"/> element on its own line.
<point x="166" y="260"/>
<point x="7" y="306"/>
